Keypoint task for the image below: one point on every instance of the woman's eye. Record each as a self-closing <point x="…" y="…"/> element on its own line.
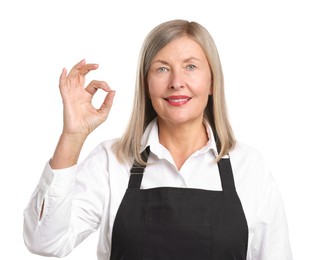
<point x="190" y="67"/>
<point x="162" y="69"/>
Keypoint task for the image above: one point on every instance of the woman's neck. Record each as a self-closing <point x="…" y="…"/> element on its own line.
<point x="182" y="140"/>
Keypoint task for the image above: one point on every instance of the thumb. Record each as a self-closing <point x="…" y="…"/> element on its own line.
<point x="107" y="103"/>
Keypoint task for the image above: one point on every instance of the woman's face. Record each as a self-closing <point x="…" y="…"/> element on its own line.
<point x="179" y="81"/>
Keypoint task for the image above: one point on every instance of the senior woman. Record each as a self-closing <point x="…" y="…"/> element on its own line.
<point x="176" y="185"/>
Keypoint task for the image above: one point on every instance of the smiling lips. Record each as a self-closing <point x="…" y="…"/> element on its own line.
<point x="177" y="100"/>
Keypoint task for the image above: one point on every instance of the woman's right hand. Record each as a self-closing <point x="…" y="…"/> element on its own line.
<point x="80" y="116"/>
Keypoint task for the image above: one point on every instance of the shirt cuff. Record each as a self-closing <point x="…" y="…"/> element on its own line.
<point x="58" y="182"/>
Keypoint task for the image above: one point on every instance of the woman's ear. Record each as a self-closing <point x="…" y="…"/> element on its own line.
<point x="211" y="90"/>
<point x="147" y="93"/>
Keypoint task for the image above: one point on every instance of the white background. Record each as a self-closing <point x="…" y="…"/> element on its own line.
<point x="268" y="51"/>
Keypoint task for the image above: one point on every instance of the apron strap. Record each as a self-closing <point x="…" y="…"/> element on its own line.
<point x="138" y="170"/>
<point x="224" y="166"/>
<point x="226" y="174"/>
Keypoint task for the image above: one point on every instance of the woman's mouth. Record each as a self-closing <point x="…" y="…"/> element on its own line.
<point x="177" y="100"/>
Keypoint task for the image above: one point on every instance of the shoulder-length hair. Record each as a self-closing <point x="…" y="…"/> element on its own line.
<point x="128" y="146"/>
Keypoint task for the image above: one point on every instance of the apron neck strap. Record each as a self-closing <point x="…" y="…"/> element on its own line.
<point x="224" y="166"/>
<point x="137" y="171"/>
<point x="226" y="174"/>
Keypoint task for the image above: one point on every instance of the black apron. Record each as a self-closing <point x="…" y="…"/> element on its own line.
<point x="169" y="223"/>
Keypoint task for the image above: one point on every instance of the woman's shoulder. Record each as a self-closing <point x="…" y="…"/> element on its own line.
<point x="104" y="148"/>
<point x="246" y="152"/>
<point x="100" y="152"/>
<point x="102" y="157"/>
<point x="249" y="161"/>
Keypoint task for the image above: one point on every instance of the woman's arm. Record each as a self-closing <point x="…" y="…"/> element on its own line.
<point x="80" y="116"/>
<point x="67" y="203"/>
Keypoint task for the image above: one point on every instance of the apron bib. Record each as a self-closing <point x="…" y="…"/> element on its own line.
<point x="169" y="223"/>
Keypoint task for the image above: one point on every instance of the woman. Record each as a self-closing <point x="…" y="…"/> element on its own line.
<point x="176" y="185"/>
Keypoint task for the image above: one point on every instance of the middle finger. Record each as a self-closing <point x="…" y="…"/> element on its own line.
<point x="82" y="69"/>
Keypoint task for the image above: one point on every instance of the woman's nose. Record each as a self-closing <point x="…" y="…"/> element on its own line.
<point x="177" y="85"/>
<point x="176" y="81"/>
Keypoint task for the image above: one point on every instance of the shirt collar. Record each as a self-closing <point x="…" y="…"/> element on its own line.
<point x="151" y="138"/>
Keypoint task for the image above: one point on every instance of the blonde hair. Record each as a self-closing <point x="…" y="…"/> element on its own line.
<point x="128" y="146"/>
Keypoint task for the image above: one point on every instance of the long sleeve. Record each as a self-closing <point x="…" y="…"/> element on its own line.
<point x="271" y="238"/>
<point x="263" y="206"/>
<point x="74" y="200"/>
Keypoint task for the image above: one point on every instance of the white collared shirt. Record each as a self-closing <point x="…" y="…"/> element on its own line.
<point x="85" y="198"/>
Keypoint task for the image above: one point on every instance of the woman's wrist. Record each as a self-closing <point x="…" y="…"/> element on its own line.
<point x="67" y="150"/>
